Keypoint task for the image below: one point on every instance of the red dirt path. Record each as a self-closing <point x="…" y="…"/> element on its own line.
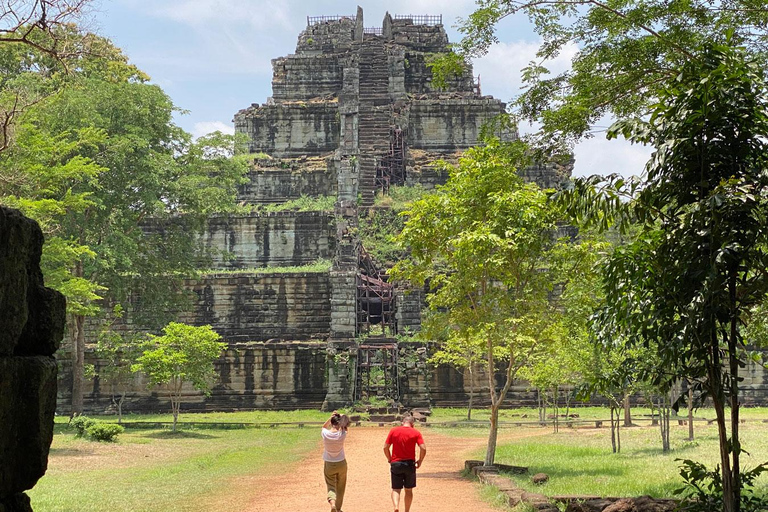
<point x="440" y="487"/>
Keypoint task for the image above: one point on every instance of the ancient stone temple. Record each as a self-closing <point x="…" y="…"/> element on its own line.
<point x="354" y="111"/>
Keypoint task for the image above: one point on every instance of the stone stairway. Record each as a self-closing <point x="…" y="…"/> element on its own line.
<point x="374" y="115"/>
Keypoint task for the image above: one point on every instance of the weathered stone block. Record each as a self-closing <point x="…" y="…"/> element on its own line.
<point x="15" y="503"/>
<point x="20" y="248"/>
<point x="27" y="406"/>
<point x="44" y="330"/>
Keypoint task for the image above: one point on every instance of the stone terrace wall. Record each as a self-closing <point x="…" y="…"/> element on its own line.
<point x="290" y="129"/>
<point x="418" y="77"/>
<point x="443" y="124"/>
<point x="261" y="307"/>
<point x="423" y="38"/>
<point x="301" y="77"/>
<point x="277" y="185"/>
<point x="327" y="37"/>
<point x="755" y="384"/>
<point x="285" y="375"/>
<point x="273" y="239"/>
<point x="31" y="328"/>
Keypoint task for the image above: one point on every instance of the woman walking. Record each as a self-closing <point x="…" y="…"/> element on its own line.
<point x="334" y="434"/>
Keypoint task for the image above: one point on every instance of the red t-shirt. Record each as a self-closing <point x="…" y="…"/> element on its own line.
<point x="404" y="441"/>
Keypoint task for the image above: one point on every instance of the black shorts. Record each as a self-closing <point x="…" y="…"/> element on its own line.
<point x="403" y="473"/>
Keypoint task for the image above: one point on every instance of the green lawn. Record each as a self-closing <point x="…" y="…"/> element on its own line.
<point x="580" y="461"/>
<point x="150" y="469"/>
<point x="153" y="470"/>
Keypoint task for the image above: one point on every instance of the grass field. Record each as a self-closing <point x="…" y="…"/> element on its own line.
<point x="152" y="470"/>
<point x="580" y="460"/>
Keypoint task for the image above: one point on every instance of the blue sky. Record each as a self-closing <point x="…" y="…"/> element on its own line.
<point x="212" y="57"/>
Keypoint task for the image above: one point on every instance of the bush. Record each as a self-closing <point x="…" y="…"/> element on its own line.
<point x="104" y="431"/>
<point x="81" y="424"/>
<point x="94" y="429"/>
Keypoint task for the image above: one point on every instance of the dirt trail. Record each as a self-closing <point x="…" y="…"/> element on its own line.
<point x="440" y="488"/>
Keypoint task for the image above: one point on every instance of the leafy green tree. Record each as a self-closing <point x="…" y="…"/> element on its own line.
<point x="628" y="52"/>
<point x="686" y="285"/>
<point x="49" y="28"/>
<point x="182" y="354"/>
<point x="121" y="190"/>
<point x="456" y="348"/>
<point x="482" y="244"/>
<point x="118" y="352"/>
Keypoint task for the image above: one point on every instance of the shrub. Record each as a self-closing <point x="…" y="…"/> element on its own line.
<point x="81" y="424"/>
<point x="104" y="431"/>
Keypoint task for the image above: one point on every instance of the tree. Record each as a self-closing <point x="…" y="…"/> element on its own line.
<point x="49" y="29"/>
<point x="97" y="163"/>
<point x="687" y="284"/>
<point x="182" y="354"/>
<point x="628" y="52"/>
<point x="482" y="243"/>
<point x="119" y="352"/>
<point x="457" y="348"/>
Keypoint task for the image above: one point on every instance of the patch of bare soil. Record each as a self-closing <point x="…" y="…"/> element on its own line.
<point x="300" y="487"/>
<point x="91" y="455"/>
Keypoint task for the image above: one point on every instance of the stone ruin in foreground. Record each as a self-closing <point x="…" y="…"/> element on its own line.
<point x="353" y="112"/>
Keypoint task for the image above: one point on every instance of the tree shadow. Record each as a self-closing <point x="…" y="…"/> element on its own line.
<point x="179" y="434"/>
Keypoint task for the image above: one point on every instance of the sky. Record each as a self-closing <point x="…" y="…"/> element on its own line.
<point x="212" y="57"/>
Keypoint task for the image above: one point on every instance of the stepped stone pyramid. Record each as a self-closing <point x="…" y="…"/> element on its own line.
<point x="353" y="112"/>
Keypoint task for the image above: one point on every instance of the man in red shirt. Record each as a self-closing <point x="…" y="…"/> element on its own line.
<point x="402" y="460"/>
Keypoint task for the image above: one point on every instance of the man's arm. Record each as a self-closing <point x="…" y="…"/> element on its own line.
<point x="422" y="454"/>
<point x="387" y="452"/>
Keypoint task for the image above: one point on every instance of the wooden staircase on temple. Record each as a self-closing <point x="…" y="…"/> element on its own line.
<point x="374" y="115"/>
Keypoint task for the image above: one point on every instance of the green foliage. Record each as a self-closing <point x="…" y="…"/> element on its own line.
<point x="445" y="68"/>
<point x="688" y="281"/>
<point x="182" y="354"/>
<point x="81" y="424"/>
<point x="378" y="232"/>
<point x="703" y="489"/>
<point x="482" y="243"/>
<point x="119" y="351"/>
<point x="302" y="204"/>
<point x="318" y="266"/>
<point x="104" y="431"/>
<point x="628" y="52"/>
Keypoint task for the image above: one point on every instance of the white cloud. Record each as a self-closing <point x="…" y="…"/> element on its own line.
<point x="501" y="69"/>
<point x="205" y="127"/>
<point x="601" y="156"/>
<point x="215" y="14"/>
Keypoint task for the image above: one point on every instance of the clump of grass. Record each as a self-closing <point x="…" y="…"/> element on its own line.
<point x="302" y="204"/>
<point x="399" y="197"/>
<point x="321" y="265"/>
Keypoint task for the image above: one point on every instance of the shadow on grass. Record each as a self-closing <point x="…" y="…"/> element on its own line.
<point x="69" y="452"/>
<point x="555" y="471"/>
<point x="179" y="434"/>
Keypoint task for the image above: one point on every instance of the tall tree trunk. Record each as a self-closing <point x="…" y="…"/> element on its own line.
<point x="471" y="391"/>
<point x="120" y="408"/>
<point x="555" y="408"/>
<point x="77" y="331"/>
<point x="718" y="403"/>
<point x="627" y="411"/>
<point x="664" y="408"/>
<point x="613" y="431"/>
<point x="490" y="452"/>
<point x="733" y="362"/>
<point x="690" y="412"/>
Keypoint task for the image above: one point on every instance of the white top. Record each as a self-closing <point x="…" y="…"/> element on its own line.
<point x="333" y="442"/>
